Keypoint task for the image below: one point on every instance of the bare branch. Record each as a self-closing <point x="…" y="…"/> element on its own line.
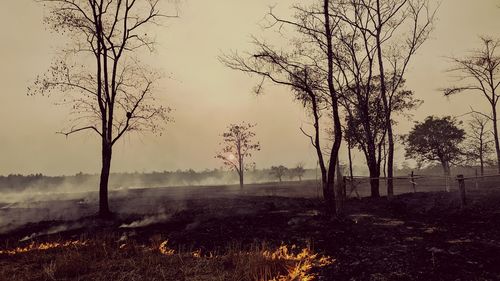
<point x="72" y="131"/>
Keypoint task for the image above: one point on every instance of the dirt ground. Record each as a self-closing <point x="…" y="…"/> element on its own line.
<point x="415" y="236"/>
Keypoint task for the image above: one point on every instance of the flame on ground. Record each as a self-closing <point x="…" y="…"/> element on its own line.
<point x="298" y="266"/>
<point x="287" y="263"/>
<point x="43" y="246"/>
<point x="164" y="249"/>
<point x="305" y="261"/>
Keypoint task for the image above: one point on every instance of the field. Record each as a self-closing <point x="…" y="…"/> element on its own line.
<point x="265" y="231"/>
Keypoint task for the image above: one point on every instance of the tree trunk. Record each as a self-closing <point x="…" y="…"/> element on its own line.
<point x="446" y="168"/>
<point x="374" y="168"/>
<point x="481" y="153"/>
<point x="447" y="173"/>
<point x="329" y="195"/>
<point x="374" y="179"/>
<point x="337" y="127"/>
<point x="387" y="106"/>
<point x="482" y="165"/>
<point x="495" y="135"/>
<point x="384" y="162"/>
<point x="339" y="190"/>
<point x="326" y="186"/>
<point x="351" y="173"/>
<point x="350" y="161"/>
<point x="241" y="179"/>
<point x="390" y="160"/>
<point x="388" y="123"/>
<point x="103" y="183"/>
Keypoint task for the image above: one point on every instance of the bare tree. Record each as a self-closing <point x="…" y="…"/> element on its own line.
<point x="297" y="172"/>
<point x="279" y="172"/>
<point x="395" y="29"/>
<point x="307" y="68"/>
<point x="238" y="145"/>
<point x="479" y="72"/>
<point x="99" y="73"/>
<point x="479" y="142"/>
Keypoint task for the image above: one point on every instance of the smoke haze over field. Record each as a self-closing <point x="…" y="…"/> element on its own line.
<point x="202" y="90"/>
<point x="35" y="186"/>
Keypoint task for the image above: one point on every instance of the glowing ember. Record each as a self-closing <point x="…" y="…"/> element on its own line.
<point x="197" y="254"/>
<point x="43" y="246"/>
<point x="164" y="249"/>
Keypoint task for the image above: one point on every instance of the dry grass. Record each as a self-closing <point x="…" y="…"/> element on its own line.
<point x="105" y="259"/>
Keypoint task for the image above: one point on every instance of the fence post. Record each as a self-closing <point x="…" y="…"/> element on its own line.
<point x="461" y="190"/>
<point x="413" y="183"/>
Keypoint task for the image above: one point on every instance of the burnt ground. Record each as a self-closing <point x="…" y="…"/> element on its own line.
<point x="419" y="236"/>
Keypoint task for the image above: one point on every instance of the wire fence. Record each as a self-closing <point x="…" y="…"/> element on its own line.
<point x="361" y="186"/>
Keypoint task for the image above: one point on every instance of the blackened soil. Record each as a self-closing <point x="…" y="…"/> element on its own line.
<point x="421" y="236"/>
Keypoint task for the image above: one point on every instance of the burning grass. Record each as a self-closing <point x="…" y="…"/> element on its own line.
<point x="107" y="259"/>
<point x="43" y="246"/>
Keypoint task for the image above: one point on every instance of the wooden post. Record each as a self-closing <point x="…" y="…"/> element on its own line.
<point x="413" y="183"/>
<point x="461" y="190"/>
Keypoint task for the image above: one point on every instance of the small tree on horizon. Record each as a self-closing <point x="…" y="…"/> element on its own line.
<point x="480" y="143"/>
<point x="435" y="139"/>
<point x="279" y="172"/>
<point x="238" y="145"/>
<point x="297" y="172"/>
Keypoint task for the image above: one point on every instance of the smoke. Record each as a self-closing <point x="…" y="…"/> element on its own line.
<point x="37" y="198"/>
<point x="53" y="230"/>
<point x="156" y="204"/>
<point x="16" y="188"/>
<point x="149" y="220"/>
<point x="193" y="225"/>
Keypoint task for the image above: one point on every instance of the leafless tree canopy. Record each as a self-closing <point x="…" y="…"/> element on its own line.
<point x="378" y="39"/>
<point x="99" y="72"/>
<point x="480" y="142"/>
<point x="306" y="66"/>
<point x="479" y="72"/>
<point x="335" y="51"/>
<point x="238" y="144"/>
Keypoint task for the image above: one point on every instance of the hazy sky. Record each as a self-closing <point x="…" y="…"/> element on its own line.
<point x="206" y="96"/>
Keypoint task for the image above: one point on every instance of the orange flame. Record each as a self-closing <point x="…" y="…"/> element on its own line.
<point x="164" y="249"/>
<point x="299" y="269"/>
<point x="43" y="246"/>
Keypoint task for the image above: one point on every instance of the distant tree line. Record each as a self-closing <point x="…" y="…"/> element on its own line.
<point x="87" y="182"/>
